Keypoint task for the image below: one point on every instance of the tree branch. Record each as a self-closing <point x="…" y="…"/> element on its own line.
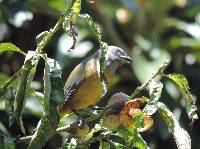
<point x="42" y="44"/>
<point x="159" y="71"/>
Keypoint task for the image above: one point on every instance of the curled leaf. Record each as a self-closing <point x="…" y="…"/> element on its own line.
<point x="183" y="85"/>
<point x="27" y="74"/>
<point x="54" y="95"/>
<point x="181" y="136"/>
<point x="9" y="105"/>
<point x="155" y="90"/>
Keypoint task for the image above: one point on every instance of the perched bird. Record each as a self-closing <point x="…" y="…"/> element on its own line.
<point x="83" y="87"/>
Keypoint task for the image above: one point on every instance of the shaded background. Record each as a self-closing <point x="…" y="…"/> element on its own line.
<point x="149" y="30"/>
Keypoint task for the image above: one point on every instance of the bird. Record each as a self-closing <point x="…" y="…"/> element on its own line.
<point x="83" y="87"/>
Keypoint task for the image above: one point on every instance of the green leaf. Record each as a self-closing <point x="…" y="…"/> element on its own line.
<point x="140" y="143"/>
<point x="137" y="122"/>
<point x="9" y="82"/>
<point x="116" y="145"/>
<point x="54" y="95"/>
<point x="76" y="9"/>
<point x="47" y="86"/>
<point x="42" y="37"/>
<point x="8" y="143"/>
<point x="155" y="90"/>
<point x="9" y="105"/>
<point x="104" y="145"/>
<point x="3" y="78"/>
<point x="57" y="93"/>
<point x="3" y="130"/>
<point x="44" y="131"/>
<point x="10" y="47"/>
<point x="27" y="74"/>
<point x="135" y="139"/>
<point x="155" y="94"/>
<point x="92" y="132"/>
<point x="103" y="50"/>
<point x="124" y="133"/>
<point x="151" y="108"/>
<point x="181" y="136"/>
<point x="183" y="85"/>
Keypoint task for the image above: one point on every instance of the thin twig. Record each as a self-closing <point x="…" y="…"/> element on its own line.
<point x="75" y="124"/>
<point x="159" y="71"/>
<point x="94" y="139"/>
<point x="61" y="129"/>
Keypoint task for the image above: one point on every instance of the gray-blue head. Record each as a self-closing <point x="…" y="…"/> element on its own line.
<point x="116" y="57"/>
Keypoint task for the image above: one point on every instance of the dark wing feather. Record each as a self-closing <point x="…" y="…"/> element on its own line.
<point x="77" y="76"/>
<point x="73" y="82"/>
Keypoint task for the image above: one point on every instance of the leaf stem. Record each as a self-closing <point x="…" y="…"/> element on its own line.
<point x="159" y="71"/>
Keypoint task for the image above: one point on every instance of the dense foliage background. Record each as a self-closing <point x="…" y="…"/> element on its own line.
<point x="149" y="30"/>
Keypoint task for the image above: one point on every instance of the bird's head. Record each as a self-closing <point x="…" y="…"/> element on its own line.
<point x="116" y="56"/>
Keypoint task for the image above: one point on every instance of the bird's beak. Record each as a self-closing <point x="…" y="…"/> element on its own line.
<point x="126" y="58"/>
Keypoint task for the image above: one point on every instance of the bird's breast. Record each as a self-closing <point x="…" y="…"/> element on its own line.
<point x="89" y="92"/>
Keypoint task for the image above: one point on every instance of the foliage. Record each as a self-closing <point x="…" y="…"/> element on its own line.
<point x="150" y="50"/>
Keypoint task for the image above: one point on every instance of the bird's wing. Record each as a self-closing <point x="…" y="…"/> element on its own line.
<point x="79" y="74"/>
<point x="73" y="82"/>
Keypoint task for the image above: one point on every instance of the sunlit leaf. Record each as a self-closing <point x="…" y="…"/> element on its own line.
<point x="124" y="133"/>
<point x="27" y="74"/>
<point x="10" y="47"/>
<point x="155" y="90"/>
<point x="47" y="86"/>
<point x="103" y="50"/>
<point x="92" y="132"/>
<point x="42" y="37"/>
<point x="44" y="131"/>
<point x="116" y="145"/>
<point x="140" y="143"/>
<point x="76" y="8"/>
<point x="155" y="94"/>
<point x="181" y="136"/>
<point x="8" y="143"/>
<point x="137" y="121"/>
<point x="183" y="85"/>
<point x="9" y="82"/>
<point x="57" y="93"/>
<point x="150" y="108"/>
<point x="54" y="95"/>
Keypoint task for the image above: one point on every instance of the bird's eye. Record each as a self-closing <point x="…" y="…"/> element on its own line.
<point x="117" y="52"/>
